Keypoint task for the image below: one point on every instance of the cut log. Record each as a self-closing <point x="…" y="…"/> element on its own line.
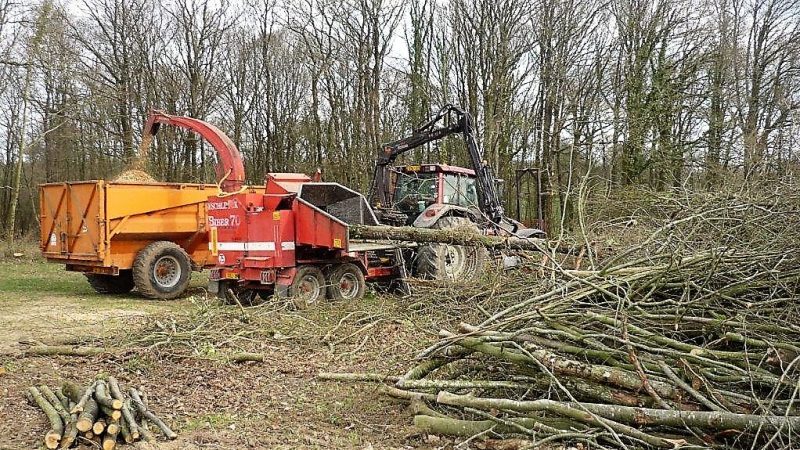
<point x="55" y="402"/>
<point x="458" y="236"/>
<point x="350" y="377"/>
<point x="58" y="399"/>
<point x="246" y="357"/>
<point x="53" y="436"/>
<point x="114" y="414"/>
<point x="468" y="428"/>
<point x="63" y="399"/>
<point x="130" y="419"/>
<point x="139" y="404"/>
<point x="147" y="436"/>
<point x="125" y="431"/>
<point x="77" y="394"/>
<point x="63" y="350"/>
<point x="130" y="422"/>
<point x="99" y="426"/>
<point x="103" y="397"/>
<point x="88" y="416"/>
<point x="110" y="439"/>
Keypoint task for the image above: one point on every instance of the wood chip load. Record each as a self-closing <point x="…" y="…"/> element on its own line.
<point x="100" y="413"/>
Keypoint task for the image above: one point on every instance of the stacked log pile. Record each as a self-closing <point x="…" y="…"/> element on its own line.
<point x="691" y="337"/>
<point x="101" y="413"/>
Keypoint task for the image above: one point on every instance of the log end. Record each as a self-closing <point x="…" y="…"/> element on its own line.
<point x="116" y="404"/>
<point x="52" y="439"/>
<point x="98" y="427"/>
<point x="109" y="443"/>
<point x="84" y="425"/>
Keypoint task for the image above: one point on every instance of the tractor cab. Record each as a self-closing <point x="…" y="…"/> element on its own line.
<point x="418" y="186"/>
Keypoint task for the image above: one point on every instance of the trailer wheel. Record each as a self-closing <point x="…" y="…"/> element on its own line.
<point x="307" y="289"/>
<point x="450" y="262"/>
<point x="162" y="270"/>
<point x="345" y="282"/>
<point x="110" y="284"/>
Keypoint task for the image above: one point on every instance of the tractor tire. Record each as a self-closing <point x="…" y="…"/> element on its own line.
<point x="162" y="270"/>
<point x="307" y="288"/>
<point x="450" y="262"/>
<point x="110" y="284"/>
<point x="345" y="282"/>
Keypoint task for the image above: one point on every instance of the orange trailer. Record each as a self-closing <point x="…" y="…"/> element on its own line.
<point x="121" y="234"/>
<point x="144" y="235"/>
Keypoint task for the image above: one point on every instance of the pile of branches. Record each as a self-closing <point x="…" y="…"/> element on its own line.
<point x="689" y="337"/>
<point x="100" y="413"/>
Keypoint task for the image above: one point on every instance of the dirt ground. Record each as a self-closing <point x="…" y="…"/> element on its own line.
<point x="175" y="351"/>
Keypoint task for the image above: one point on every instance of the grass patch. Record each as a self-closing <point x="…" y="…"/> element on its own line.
<point x="213" y="421"/>
<point x="32" y="278"/>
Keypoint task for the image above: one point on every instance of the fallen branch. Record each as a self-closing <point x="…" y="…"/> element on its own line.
<point x="458" y="236"/>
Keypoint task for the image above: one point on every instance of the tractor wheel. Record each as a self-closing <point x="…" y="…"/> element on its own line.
<point x="345" y="282"/>
<point x="450" y="262"/>
<point x="110" y="284"/>
<point x="307" y="289"/>
<point x="162" y="270"/>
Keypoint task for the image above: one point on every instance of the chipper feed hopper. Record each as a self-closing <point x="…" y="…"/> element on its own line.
<point x="292" y="241"/>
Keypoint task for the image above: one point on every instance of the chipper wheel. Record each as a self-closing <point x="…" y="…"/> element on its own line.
<point x="110" y="284"/>
<point x="450" y="262"/>
<point x="345" y="282"/>
<point x="307" y="289"/>
<point x="162" y="270"/>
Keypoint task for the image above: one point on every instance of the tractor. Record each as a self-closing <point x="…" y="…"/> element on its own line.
<point x="442" y="196"/>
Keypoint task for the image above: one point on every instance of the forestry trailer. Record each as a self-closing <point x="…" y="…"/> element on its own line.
<point x="442" y="196"/>
<point x="126" y="234"/>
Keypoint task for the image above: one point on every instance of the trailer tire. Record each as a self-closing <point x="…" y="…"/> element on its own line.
<point x="450" y="262"/>
<point x="307" y="288"/>
<point x="110" y="284"/>
<point x="345" y="282"/>
<point x="162" y="270"/>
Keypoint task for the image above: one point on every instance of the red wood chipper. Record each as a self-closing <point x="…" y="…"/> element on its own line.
<point x="292" y="241"/>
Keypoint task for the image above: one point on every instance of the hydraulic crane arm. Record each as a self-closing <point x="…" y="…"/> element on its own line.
<point x="229" y="168"/>
<point x="488" y="199"/>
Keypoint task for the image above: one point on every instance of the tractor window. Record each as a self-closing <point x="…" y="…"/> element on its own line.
<point x="416" y="187"/>
<point x="460" y="190"/>
<point x="470" y="192"/>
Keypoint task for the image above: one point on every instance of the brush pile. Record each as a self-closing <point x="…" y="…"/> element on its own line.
<point x="689" y="337"/>
<point x="100" y="413"/>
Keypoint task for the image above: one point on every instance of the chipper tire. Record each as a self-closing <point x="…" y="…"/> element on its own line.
<point x="162" y="270"/>
<point x="450" y="262"/>
<point x="110" y="284"/>
<point x="345" y="282"/>
<point x="307" y="289"/>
